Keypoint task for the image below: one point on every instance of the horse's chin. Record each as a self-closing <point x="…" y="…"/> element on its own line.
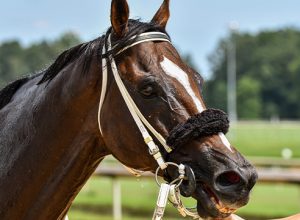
<point x="209" y="205"/>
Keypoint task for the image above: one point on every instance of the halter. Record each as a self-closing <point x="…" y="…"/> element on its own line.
<point x="138" y="117"/>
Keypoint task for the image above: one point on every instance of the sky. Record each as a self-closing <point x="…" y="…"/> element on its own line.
<point x="195" y="26"/>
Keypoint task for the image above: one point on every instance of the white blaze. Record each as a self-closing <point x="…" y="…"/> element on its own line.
<point x="225" y="141"/>
<point x="176" y="72"/>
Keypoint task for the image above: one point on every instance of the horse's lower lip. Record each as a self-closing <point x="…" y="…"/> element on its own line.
<point x="219" y="205"/>
<point x="209" y="204"/>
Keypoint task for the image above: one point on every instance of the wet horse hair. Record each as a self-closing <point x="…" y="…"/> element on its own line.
<point x="206" y="123"/>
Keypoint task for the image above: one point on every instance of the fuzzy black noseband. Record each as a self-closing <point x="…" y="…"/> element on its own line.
<point x="208" y="122"/>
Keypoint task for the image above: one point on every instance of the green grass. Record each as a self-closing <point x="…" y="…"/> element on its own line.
<point x="273" y="200"/>
<point x="265" y="138"/>
<point x="250" y="138"/>
<point x="139" y="197"/>
<point x="138" y="200"/>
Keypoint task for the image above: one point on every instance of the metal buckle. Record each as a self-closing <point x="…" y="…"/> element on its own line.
<point x="154" y="151"/>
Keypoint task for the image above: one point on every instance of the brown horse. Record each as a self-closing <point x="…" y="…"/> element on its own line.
<point x="50" y="143"/>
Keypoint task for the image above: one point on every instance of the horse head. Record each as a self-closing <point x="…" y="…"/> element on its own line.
<point x="167" y="92"/>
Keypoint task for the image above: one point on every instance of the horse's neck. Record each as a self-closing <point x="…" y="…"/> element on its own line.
<point x="49" y="145"/>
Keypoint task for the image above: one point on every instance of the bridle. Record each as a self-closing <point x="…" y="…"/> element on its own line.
<point x="167" y="191"/>
<point x="206" y="123"/>
<point x="141" y="122"/>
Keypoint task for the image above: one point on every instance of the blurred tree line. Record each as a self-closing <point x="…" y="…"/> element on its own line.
<point x="17" y="61"/>
<point x="268" y="70"/>
<point x="268" y="75"/>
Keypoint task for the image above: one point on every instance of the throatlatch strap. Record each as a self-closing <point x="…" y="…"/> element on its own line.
<point x="103" y="88"/>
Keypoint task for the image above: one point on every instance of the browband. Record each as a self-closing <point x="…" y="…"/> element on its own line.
<point x="138" y="39"/>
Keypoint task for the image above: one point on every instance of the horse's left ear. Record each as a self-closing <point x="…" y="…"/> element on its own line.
<point x="162" y="15"/>
<point x="119" y="17"/>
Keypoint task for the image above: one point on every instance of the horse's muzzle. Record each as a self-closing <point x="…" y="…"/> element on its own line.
<point x="217" y="176"/>
<point x="225" y="188"/>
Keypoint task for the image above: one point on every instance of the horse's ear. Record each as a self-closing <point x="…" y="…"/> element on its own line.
<point x="162" y="15"/>
<point x="119" y="17"/>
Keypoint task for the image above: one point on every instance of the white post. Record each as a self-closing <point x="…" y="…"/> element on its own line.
<point x="117" y="203"/>
<point x="231" y="73"/>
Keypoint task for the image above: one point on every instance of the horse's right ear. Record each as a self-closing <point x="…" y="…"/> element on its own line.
<point x="119" y="17"/>
<point x="162" y="15"/>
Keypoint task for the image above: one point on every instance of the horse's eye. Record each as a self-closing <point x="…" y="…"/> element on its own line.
<point x="148" y="91"/>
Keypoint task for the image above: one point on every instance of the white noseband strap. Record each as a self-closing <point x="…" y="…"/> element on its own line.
<point x="138" y="117"/>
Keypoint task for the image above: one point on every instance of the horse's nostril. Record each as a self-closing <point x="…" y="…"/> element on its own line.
<point x="228" y="178"/>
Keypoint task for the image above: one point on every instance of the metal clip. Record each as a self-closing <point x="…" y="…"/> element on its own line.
<point x="181" y="171"/>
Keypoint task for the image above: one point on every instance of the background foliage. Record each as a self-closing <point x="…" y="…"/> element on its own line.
<point x="268" y="70"/>
<point x="268" y="75"/>
<point x="17" y="60"/>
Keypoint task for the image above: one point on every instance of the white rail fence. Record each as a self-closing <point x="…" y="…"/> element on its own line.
<point x="270" y="170"/>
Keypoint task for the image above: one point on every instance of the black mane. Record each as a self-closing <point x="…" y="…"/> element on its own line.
<point x="71" y="55"/>
<point x="7" y="92"/>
